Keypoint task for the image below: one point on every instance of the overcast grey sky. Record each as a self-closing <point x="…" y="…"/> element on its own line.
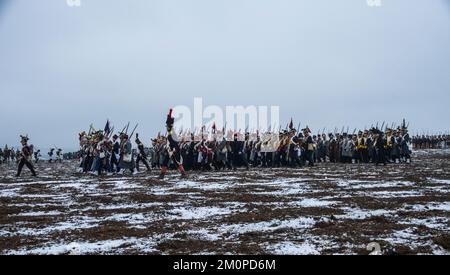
<point x="328" y="63"/>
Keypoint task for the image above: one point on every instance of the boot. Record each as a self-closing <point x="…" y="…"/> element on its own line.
<point x="163" y="173"/>
<point x="183" y="173"/>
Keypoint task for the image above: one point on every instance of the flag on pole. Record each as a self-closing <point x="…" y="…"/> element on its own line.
<point x="107" y="129"/>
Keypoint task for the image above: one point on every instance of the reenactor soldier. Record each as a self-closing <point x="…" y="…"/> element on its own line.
<point x="37" y="155"/>
<point x="59" y="155"/>
<point x="309" y="146"/>
<point x="362" y="147"/>
<point x="173" y="149"/>
<point x="25" y="157"/>
<point x="141" y="154"/>
<point x="379" y="144"/>
<point x="50" y="154"/>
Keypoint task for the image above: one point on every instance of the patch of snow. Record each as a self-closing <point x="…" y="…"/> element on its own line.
<point x="11" y="192"/>
<point x="311" y="202"/>
<point x="201" y="185"/>
<point x="204" y="234"/>
<point x="299" y="223"/>
<point x="289" y="248"/>
<point x="439" y="181"/>
<point x="82" y="248"/>
<point x="359" y="214"/>
<point x="444" y="206"/>
<point x="40" y="213"/>
<point x="199" y="212"/>
<point x="439" y="223"/>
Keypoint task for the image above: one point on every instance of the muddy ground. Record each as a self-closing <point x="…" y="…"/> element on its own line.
<point x="328" y="209"/>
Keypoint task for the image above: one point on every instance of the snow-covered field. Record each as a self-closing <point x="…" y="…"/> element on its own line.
<point x="328" y="209"/>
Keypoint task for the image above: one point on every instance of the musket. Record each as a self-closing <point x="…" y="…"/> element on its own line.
<point x="348" y="129"/>
<point x="382" y="125"/>
<point x="342" y="131"/>
<point x="132" y="133"/>
<point x="298" y="127"/>
<point x="111" y="132"/>
<point x="126" y="130"/>
<point x="376" y="127"/>
<point x="354" y="131"/>
<point x="122" y="132"/>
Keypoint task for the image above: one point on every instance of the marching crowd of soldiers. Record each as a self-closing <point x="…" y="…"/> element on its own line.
<point x="104" y="152"/>
<point x="8" y="155"/>
<point x="431" y="141"/>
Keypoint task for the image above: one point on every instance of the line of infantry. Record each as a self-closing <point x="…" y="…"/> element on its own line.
<point x="105" y="152"/>
<point x="431" y="141"/>
<point x="102" y="152"/>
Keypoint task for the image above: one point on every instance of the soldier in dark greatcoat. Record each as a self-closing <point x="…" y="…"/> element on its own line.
<point x="25" y="157"/>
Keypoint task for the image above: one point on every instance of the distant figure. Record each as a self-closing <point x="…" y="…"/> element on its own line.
<point x="6" y="154"/>
<point x="50" y="155"/>
<point x="59" y="155"/>
<point x="37" y="155"/>
<point x="13" y="155"/>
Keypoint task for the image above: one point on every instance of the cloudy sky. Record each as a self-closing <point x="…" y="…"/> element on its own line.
<point x="327" y="63"/>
